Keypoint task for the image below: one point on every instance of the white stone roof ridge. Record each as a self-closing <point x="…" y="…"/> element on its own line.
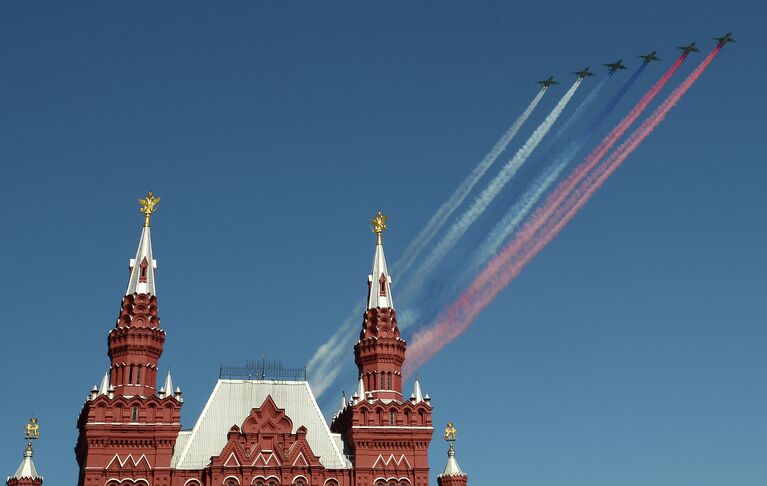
<point x="230" y="404"/>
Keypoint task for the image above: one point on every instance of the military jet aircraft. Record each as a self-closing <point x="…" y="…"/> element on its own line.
<point x="547" y="82"/>
<point x="648" y="58"/>
<point x="724" y="39"/>
<point x="615" y="66"/>
<point x="583" y="73"/>
<point x="688" y="49"/>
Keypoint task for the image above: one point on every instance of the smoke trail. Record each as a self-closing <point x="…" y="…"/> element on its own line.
<point x="323" y="367"/>
<point x="486" y="197"/>
<point x="463" y="190"/>
<point x="506" y="227"/>
<point x="324" y="364"/>
<point x="518" y="253"/>
<point x="568" y="185"/>
<point x="578" y="198"/>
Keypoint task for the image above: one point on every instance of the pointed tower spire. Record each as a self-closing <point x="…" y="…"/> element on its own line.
<point x="136" y="343"/>
<point x="26" y="474"/>
<point x="380" y="352"/>
<point x="379" y="280"/>
<point x="142" y="267"/>
<point x="452" y="475"/>
<point x="417" y="394"/>
<point x="104" y="388"/>
<point x="168" y="386"/>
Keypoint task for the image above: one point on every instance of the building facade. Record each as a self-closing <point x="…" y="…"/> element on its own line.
<point x="259" y="432"/>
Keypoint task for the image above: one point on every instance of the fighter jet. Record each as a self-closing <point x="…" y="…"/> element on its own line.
<point x="724" y="39"/>
<point x="583" y="73"/>
<point x="688" y="49"/>
<point x="615" y="66"/>
<point x="547" y="82"/>
<point x="648" y="58"/>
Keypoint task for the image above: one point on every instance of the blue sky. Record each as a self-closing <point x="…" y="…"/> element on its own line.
<point x="629" y="352"/>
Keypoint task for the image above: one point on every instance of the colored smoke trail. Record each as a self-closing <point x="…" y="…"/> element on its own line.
<point x="459" y="195"/>
<point x="519" y="211"/>
<point x="488" y="194"/>
<point x="568" y="185"/>
<point x="578" y="198"/>
<point x="503" y="268"/>
<point x="324" y="365"/>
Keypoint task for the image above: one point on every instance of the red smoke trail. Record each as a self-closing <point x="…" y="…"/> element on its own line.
<point x="519" y="252"/>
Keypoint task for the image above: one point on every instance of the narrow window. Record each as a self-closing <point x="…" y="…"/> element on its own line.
<point x="142" y="274"/>
<point x="392" y="418"/>
<point x="389" y="378"/>
<point x="382" y="285"/>
<point x="383" y="381"/>
<point x="134" y="414"/>
<point x="130" y="374"/>
<point x="138" y="375"/>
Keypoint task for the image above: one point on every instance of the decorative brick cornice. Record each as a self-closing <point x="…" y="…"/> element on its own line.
<point x="379" y="323"/>
<point x="138" y="310"/>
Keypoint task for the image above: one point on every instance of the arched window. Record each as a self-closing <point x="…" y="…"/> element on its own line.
<point x="383" y="381"/>
<point x="138" y="374"/>
<point x="392" y="420"/>
<point x="134" y="413"/>
<point x="389" y="378"/>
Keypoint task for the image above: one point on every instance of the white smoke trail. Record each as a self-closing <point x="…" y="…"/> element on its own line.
<point x="486" y="197"/>
<point x="435" y="223"/>
<point x="324" y="366"/>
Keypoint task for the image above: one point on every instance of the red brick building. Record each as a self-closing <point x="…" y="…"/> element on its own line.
<point x="259" y="432"/>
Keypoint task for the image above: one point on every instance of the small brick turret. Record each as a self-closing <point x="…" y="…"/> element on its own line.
<point x="26" y="474"/>
<point x="452" y="474"/>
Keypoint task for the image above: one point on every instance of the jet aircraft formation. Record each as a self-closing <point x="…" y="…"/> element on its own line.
<point x="612" y="67"/>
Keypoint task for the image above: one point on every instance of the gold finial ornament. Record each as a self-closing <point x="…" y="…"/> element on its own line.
<point x="450" y="435"/>
<point x="450" y="432"/>
<point x="379" y="224"/>
<point x="31" y="432"/>
<point x="148" y="206"/>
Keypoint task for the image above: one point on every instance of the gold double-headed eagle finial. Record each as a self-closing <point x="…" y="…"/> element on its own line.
<point x="31" y="432"/>
<point x="379" y="225"/>
<point x="148" y="206"/>
<point x="450" y="435"/>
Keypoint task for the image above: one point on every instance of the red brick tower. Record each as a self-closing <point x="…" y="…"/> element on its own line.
<point x="127" y="427"/>
<point x="388" y="435"/>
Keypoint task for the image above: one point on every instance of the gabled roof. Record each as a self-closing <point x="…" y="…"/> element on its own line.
<point x="231" y="403"/>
